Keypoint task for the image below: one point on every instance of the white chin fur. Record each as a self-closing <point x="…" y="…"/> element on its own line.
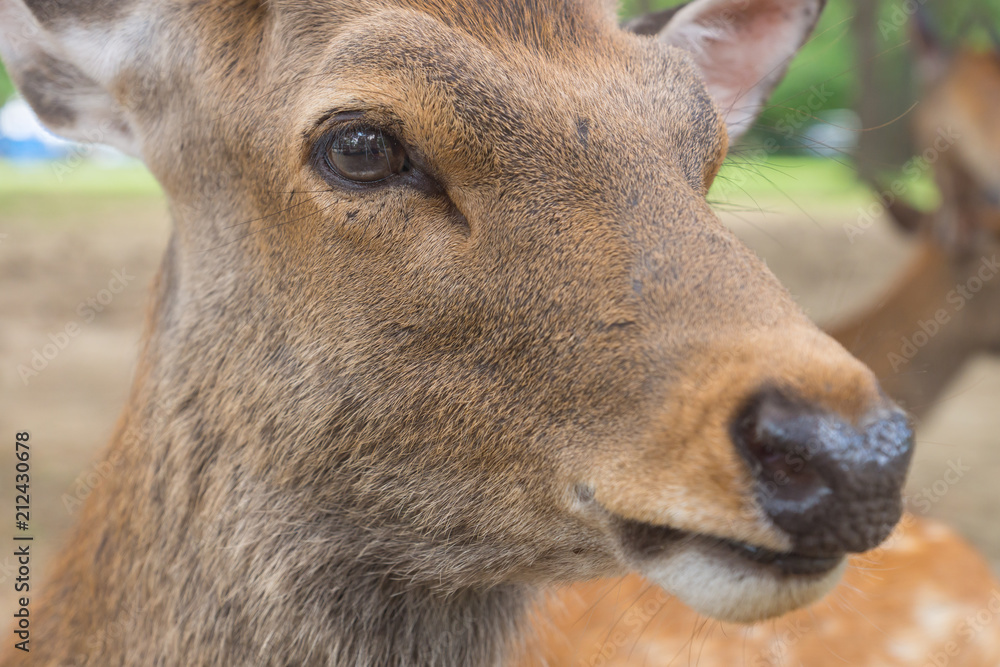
<point x="723" y="586"/>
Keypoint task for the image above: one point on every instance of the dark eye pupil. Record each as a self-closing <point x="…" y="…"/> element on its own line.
<point x="366" y="155"/>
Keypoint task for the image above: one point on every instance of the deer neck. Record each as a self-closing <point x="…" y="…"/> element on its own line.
<point x="914" y="339"/>
<point x="254" y="579"/>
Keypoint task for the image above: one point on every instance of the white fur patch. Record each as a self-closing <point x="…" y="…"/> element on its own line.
<point x="718" y="585"/>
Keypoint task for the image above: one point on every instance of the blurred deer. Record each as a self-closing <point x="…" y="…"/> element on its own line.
<point x="945" y="307"/>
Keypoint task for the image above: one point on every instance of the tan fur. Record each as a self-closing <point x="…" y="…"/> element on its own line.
<point x="925" y="597"/>
<point x="368" y="424"/>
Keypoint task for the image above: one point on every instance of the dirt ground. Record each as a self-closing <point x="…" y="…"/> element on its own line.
<point x="49" y="270"/>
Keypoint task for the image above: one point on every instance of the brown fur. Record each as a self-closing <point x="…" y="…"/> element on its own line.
<point x="368" y="424"/>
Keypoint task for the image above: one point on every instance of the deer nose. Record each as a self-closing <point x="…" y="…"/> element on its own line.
<point x="831" y="485"/>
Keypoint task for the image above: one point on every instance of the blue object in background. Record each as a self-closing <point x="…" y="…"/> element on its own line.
<point x="28" y="150"/>
<point x="22" y="137"/>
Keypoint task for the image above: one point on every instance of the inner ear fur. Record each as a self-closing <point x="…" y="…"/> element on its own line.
<point x="742" y="47"/>
<point x="65" y="66"/>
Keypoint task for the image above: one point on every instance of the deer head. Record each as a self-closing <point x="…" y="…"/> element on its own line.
<point x="445" y="315"/>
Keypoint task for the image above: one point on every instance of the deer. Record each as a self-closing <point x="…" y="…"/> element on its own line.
<point x="444" y="319"/>
<point x="947" y="297"/>
<point x="878" y="614"/>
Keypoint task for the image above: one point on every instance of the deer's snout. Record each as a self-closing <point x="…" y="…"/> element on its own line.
<point x="831" y="485"/>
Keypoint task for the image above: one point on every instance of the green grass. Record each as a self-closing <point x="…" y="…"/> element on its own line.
<point x="780" y="176"/>
<point x="781" y="181"/>
<point x="64" y="177"/>
<point x="49" y="191"/>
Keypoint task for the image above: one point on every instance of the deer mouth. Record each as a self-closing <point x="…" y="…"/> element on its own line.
<point x="727" y="579"/>
<point x="789" y="562"/>
<point x="649" y="541"/>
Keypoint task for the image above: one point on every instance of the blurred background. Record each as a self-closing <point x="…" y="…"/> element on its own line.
<point x="82" y="229"/>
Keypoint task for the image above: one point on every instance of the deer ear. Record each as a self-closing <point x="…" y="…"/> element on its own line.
<point x="65" y="66"/>
<point x="743" y="47"/>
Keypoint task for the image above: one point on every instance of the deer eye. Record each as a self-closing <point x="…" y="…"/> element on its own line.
<point x="365" y="155"/>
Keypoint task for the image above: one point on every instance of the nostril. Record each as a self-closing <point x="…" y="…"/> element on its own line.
<point x="778" y="453"/>
<point x="791" y="483"/>
<point x="830" y="485"/>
